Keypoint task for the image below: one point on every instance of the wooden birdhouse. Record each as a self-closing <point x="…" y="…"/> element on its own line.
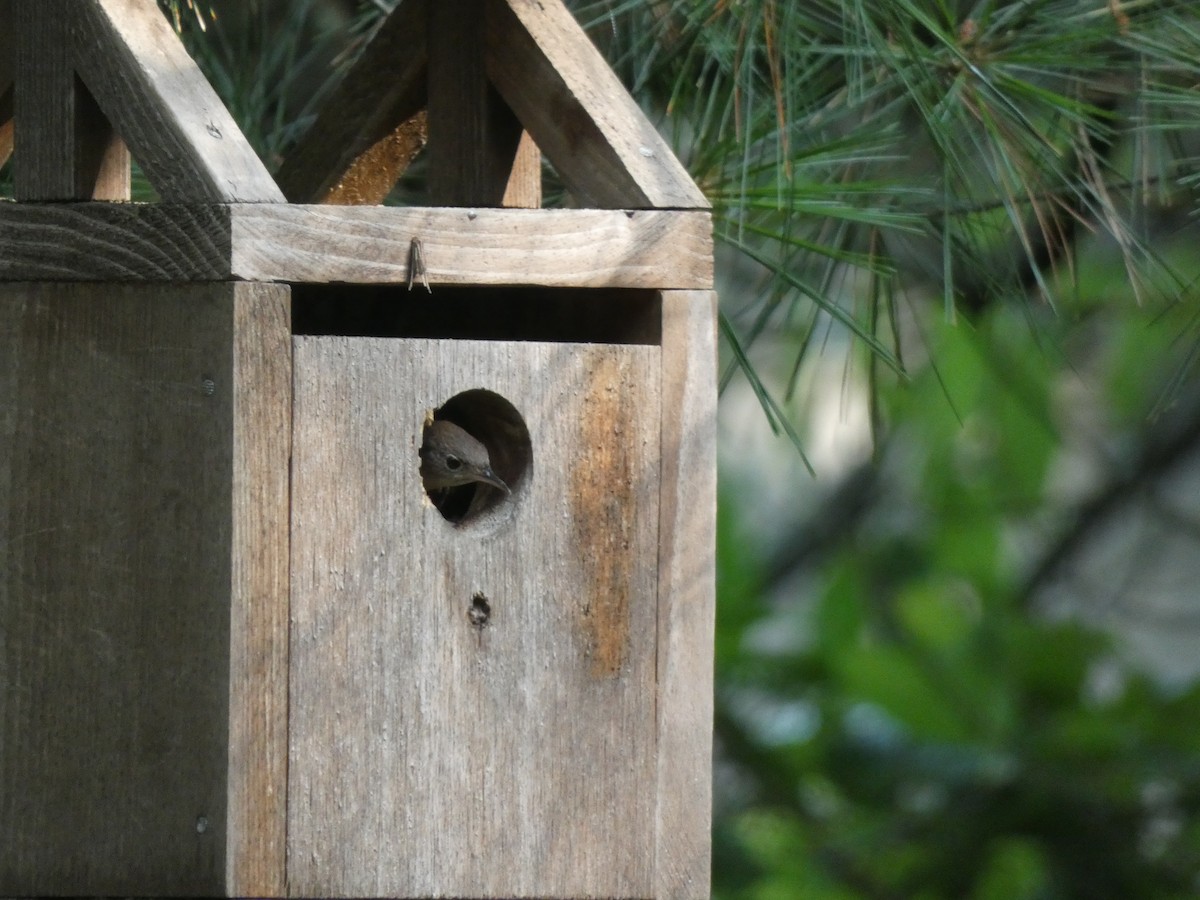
<point x="249" y="644"/>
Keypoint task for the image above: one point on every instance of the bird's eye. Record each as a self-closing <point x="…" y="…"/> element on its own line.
<point x="453" y="463"/>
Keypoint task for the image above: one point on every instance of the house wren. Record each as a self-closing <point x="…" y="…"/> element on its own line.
<point x="451" y="457"/>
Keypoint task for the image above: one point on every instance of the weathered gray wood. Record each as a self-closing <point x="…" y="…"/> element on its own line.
<point x="473" y="135"/>
<point x="384" y="88"/>
<point x="577" y="110"/>
<point x="70" y="151"/>
<point x="687" y="601"/>
<point x="278" y="242"/>
<point x="154" y="94"/>
<point x="7" y="43"/>
<point x="566" y="248"/>
<point x="122" y="464"/>
<point x="43" y="98"/>
<point x="114" y="242"/>
<point x="65" y="148"/>
<point x="258" y="667"/>
<point x="429" y="757"/>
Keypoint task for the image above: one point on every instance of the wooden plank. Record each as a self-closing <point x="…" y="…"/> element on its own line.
<point x="258" y="666"/>
<point x="384" y="88"/>
<point x="573" y="105"/>
<point x="524" y="188"/>
<point x="687" y="594"/>
<point x="115" y="572"/>
<point x="511" y="759"/>
<point x="473" y="135"/>
<point x="278" y="242"/>
<point x="564" y="248"/>
<point x="8" y="30"/>
<point x="43" y="98"/>
<point x="177" y="128"/>
<point x="114" y="242"/>
<point x="70" y="151"/>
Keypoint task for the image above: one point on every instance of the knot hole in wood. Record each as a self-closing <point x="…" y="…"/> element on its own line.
<point x="480" y="611"/>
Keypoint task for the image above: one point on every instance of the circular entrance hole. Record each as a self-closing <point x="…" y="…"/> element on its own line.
<point x="475" y="456"/>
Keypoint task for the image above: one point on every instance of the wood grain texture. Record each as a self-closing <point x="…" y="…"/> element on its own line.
<point x="431" y="757"/>
<point x="155" y="96"/>
<point x="385" y="87"/>
<point x="578" y="112"/>
<point x="524" y="188"/>
<point x="116" y="407"/>
<point x="8" y="31"/>
<point x="258" y="665"/>
<point x="473" y="135"/>
<point x="114" y="242"/>
<point x="44" y="100"/>
<point x="68" y="149"/>
<point x="280" y="242"/>
<point x="564" y="248"/>
<point x="687" y="594"/>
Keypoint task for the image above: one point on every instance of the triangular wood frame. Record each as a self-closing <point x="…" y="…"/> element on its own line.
<point x="90" y="77"/>
<point x="124" y="54"/>
<point x="546" y="70"/>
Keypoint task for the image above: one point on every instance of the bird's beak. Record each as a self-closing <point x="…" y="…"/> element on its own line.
<point x="487" y="476"/>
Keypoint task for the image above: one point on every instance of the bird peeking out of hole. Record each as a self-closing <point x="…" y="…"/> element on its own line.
<point x="453" y="464"/>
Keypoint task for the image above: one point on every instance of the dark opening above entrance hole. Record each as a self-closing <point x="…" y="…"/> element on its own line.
<point x="475" y="456"/>
<point x="599" y="315"/>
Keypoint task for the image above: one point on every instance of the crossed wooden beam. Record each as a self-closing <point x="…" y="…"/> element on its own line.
<point x="88" y="83"/>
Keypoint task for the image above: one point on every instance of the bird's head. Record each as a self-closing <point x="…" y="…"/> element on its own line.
<point x="450" y="457"/>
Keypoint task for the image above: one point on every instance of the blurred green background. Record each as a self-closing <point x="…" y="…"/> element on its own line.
<point x="959" y="525"/>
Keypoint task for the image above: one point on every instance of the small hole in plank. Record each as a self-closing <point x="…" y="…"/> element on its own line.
<point x="480" y="611"/>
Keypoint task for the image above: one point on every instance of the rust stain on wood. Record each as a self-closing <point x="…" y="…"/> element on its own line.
<point x="376" y="170"/>
<point x="602" y="485"/>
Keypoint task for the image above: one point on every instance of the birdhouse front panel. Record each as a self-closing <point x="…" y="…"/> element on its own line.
<point x="473" y="692"/>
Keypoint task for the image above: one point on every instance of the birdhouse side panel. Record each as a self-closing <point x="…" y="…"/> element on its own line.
<point x="119" y="453"/>
<point x="473" y="704"/>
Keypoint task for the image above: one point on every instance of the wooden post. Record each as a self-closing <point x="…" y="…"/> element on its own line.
<point x="65" y="148"/>
<point x="473" y="135"/>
